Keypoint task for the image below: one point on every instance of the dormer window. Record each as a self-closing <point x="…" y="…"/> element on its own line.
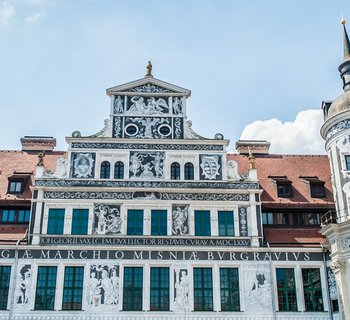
<point x="317" y="189"/>
<point x="283" y="186"/>
<point x="17" y="182"/>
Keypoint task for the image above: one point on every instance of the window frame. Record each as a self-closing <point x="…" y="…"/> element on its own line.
<point x="175" y="171"/>
<point x="284" y="194"/>
<point x="202" y="223"/>
<point x="105" y="170"/>
<point x="119" y="170"/>
<point x="312" y="291"/>
<point x="159" y="222"/>
<point x="203" y="289"/>
<point x="347" y="162"/>
<point x="52" y="229"/>
<point x="227" y="232"/>
<point x="230" y="289"/>
<point x="15" y="213"/>
<point x="71" y="289"/>
<point x="5" y="278"/>
<point x="78" y="228"/>
<point x="134" y="230"/>
<point x="49" y="285"/>
<point x="317" y="190"/>
<point x="189" y="171"/>
<point x="19" y="182"/>
<point x="287" y="291"/>
<point x="135" y="292"/>
<point x="163" y="287"/>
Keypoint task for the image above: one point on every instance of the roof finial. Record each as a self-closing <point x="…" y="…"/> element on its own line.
<point x="149" y="69"/>
<point x="346" y="42"/>
<point x="41" y="156"/>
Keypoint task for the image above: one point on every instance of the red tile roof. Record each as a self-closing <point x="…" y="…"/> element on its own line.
<point x="293" y="167"/>
<point x="12" y="162"/>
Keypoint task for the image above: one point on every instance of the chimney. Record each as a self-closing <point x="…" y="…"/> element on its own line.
<point x="38" y="143"/>
<point x="255" y="147"/>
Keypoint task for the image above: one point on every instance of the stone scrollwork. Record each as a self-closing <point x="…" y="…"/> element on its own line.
<point x="117" y="129"/>
<point x="333" y="291"/>
<point x="24" y="284"/>
<point x="150" y="88"/>
<point x="345" y="243"/>
<point x="342" y="125"/>
<point x="102" y="287"/>
<point x="337" y="264"/>
<point x="243" y="220"/>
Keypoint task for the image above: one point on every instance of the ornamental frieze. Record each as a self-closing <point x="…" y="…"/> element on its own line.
<point x="146" y="146"/>
<point x="342" y="125"/>
<point x="146" y="184"/>
<point x="147" y="196"/>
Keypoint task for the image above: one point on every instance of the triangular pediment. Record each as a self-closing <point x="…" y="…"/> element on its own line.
<point x="149" y="85"/>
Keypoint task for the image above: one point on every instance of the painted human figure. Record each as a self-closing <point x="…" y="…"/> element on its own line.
<point x="138" y="106"/>
<point x="115" y="287"/>
<point x="158" y="165"/>
<point x="92" y="288"/>
<point x="179" y="219"/>
<point x="118" y="105"/>
<point x="147" y="173"/>
<point x="24" y="285"/>
<point x="177" y="106"/>
<point x="114" y="223"/>
<point x="148" y="123"/>
<point x="135" y="163"/>
<point x="106" y="285"/>
<point x="182" y="289"/>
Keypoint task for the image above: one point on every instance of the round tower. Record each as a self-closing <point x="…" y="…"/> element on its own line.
<point x="336" y="226"/>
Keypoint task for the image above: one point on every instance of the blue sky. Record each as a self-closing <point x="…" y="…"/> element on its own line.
<point x="243" y="61"/>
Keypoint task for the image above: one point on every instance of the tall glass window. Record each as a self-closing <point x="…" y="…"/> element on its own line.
<point x="347" y="162"/>
<point x="45" y="288"/>
<point x="159" y="223"/>
<point x="105" y="170"/>
<point x="189" y="171"/>
<point x="229" y="289"/>
<point x="8" y="215"/>
<point x="135" y="222"/>
<point x="159" y="300"/>
<point x="287" y="298"/>
<point x="23" y="215"/>
<point x="202" y="223"/>
<point x="175" y="171"/>
<point x="132" y="292"/>
<point x="55" y="223"/>
<point x="73" y="288"/>
<point x="226" y="225"/>
<point x="312" y="290"/>
<point x="5" y="274"/>
<point x="119" y="170"/>
<point x="203" y="289"/>
<point x="80" y="221"/>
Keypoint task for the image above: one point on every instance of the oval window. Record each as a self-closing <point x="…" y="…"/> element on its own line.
<point x="164" y="130"/>
<point x="131" y="130"/>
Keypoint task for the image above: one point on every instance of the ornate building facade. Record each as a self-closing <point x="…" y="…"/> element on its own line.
<point x="147" y="219"/>
<point x="336" y="132"/>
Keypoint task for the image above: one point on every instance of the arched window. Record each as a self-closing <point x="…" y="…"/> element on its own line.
<point x="175" y="171"/>
<point x="119" y="170"/>
<point x="105" y="170"/>
<point x="189" y="171"/>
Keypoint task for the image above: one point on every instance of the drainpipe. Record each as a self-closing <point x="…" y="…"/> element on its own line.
<point x="14" y="279"/>
<point x="330" y="311"/>
<point x="271" y="277"/>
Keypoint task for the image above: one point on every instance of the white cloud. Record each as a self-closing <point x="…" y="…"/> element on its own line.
<point x="33" y="18"/>
<point x="6" y="12"/>
<point x="302" y="136"/>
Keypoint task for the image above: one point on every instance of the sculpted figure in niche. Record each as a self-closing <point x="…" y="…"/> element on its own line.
<point x="232" y="170"/>
<point x="118" y="105"/>
<point x="182" y="289"/>
<point x="179" y="221"/>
